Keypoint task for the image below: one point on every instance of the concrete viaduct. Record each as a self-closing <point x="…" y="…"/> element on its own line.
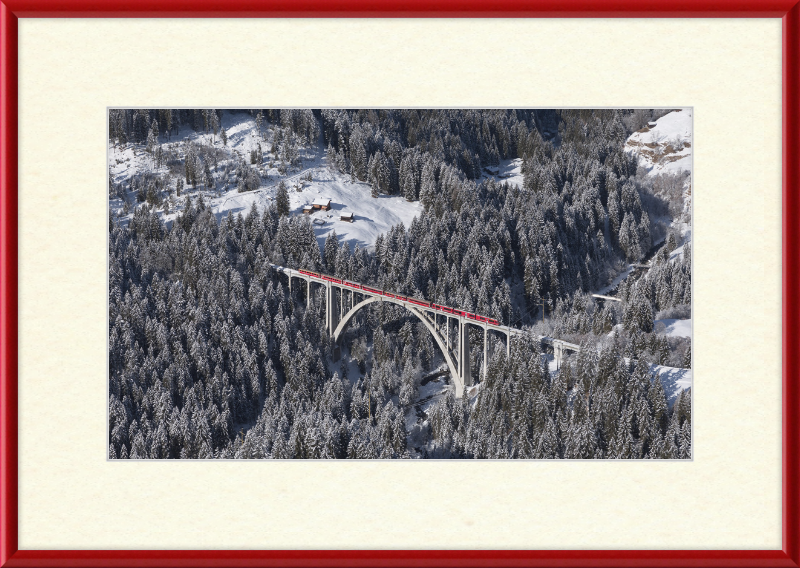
<point x="447" y="329"/>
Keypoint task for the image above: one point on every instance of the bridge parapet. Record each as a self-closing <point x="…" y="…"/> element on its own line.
<point x="457" y="358"/>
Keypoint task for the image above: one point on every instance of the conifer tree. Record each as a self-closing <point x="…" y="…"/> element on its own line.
<point x="204" y="337"/>
<point x="282" y="199"/>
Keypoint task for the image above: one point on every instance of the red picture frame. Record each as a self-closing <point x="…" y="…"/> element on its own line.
<point x="11" y="10"/>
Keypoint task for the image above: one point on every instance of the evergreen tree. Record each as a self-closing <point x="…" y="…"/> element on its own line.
<point x="427" y="192"/>
<point x="211" y="356"/>
<point x="282" y="199"/>
<point x="331" y="252"/>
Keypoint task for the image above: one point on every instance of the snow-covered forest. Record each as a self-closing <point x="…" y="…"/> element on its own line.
<point x="570" y="224"/>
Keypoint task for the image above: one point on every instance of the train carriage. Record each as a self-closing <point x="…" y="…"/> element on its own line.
<point x="415" y="301"/>
<point x="419" y="302"/>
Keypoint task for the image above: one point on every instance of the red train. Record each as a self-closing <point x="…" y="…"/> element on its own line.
<point x="416" y="301"/>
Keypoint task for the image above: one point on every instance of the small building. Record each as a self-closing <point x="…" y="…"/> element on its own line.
<point x="323" y="203"/>
<point x="651" y="125"/>
<point x="346" y="216"/>
<point x="308" y="209"/>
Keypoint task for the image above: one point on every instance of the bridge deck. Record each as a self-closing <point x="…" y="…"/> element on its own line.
<point x="510" y="331"/>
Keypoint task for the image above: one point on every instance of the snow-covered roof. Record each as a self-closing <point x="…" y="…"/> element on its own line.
<point x="346" y="214"/>
<point x="322" y="201"/>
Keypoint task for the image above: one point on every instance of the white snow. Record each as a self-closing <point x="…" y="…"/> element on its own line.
<point x="674" y="380"/>
<point x="675" y="327"/>
<point x="676" y="255"/>
<point x="508" y="171"/>
<point x="617" y="328"/>
<point x="615" y="282"/>
<point x="667" y="147"/>
<point x="371" y="216"/>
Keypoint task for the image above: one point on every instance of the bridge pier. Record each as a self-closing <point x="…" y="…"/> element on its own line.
<point x="332" y="318"/>
<point x="308" y="294"/>
<point x="460" y="374"/>
<point x="330" y="310"/>
<point x="463" y="355"/>
<point x="485" y="350"/>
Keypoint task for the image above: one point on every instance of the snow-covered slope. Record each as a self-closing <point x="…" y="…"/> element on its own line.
<point x="674" y="380"/>
<point x="372" y="216"/>
<point x="675" y="327"/>
<point x="666" y="146"/>
<point x="508" y="171"/>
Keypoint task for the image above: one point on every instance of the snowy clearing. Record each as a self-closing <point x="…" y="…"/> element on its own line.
<point x="665" y="147"/>
<point x="371" y="216"/>
<point x="508" y="171"/>
<point x="674" y="380"/>
<point x="675" y="327"/>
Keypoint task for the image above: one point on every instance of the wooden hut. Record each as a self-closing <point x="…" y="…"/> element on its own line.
<point x="323" y="203"/>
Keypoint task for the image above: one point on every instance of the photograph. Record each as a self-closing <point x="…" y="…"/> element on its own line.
<point x="409" y="283"/>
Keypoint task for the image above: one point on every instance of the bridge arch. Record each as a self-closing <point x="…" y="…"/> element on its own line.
<point x="458" y="383"/>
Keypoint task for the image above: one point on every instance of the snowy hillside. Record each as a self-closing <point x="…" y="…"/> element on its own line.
<point x="372" y="216"/>
<point x="509" y="171"/>
<point x="665" y="146"/>
<point x="674" y="380"/>
<point x="675" y="327"/>
<point x="664" y="150"/>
